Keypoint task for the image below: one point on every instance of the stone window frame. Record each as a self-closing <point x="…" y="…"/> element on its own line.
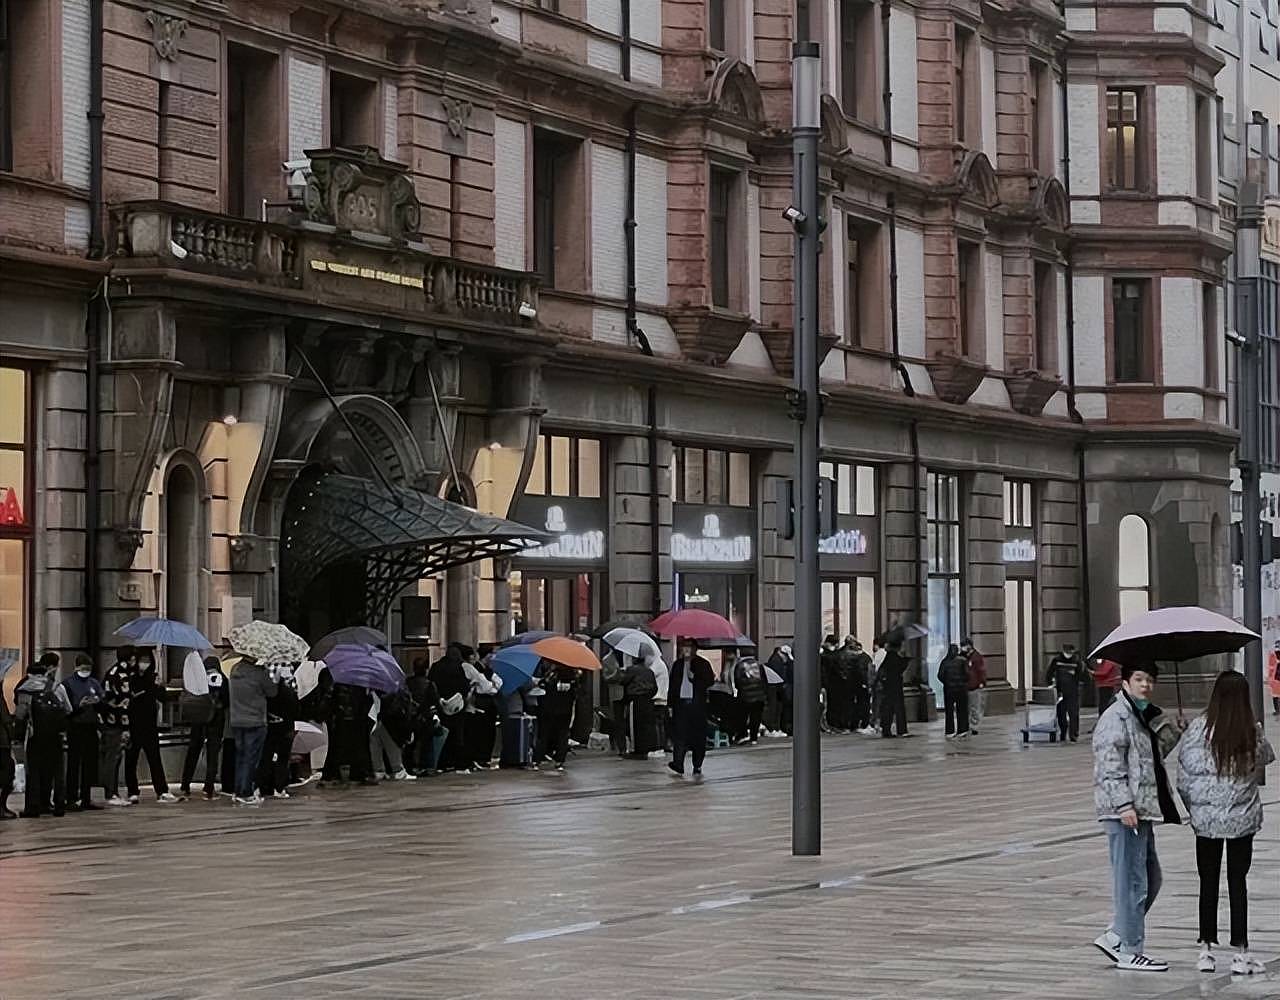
<point x="966" y="86"/>
<point x="732" y="256"/>
<point x="372" y="113"/>
<point x="30" y="130"/>
<point x="971" y="297"/>
<point x="563" y="158"/>
<point x="545" y="473"/>
<point x="866" y="310"/>
<point x="1044" y="315"/>
<point x="851" y="487"/>
<point x="1144" y="167"/>
<point x="6" y="89"/>
<point x="861" y="92"/>
<point x="724" y="18"/>
<point x="266" y="163"/>
<point x="1020" y="503"/>
<point x="1041" y="90"/>
<point x="732" y="495"/>
<point x="1149" y="325"/>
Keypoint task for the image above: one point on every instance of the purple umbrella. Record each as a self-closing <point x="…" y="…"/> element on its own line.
<point x="1175" y="634"/>
<point x="365" y="666"/>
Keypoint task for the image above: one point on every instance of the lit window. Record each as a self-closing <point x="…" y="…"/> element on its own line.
<point x="1124" y="139"/>
<point x="1134" y="567"/>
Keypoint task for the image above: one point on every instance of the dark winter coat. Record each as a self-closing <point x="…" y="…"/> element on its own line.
<point x="1066" y="673"/>
<point x="954" y="672"/>
<point x="561" y="686"/>
<point x="144" y="707"/>
<point x="449" y="677"/>
<point x="702" y="674"/>
<point x="748" y="677"/>
<point x="118" y="687"/>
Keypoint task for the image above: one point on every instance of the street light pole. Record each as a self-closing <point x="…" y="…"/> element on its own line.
<point x="806" y="761"/>
<point x="1248" y="455"/>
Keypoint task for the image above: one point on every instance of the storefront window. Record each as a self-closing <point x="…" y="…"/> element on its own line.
<point x="1017" y="503"/>
<point x="849" y="608"/>
<point x="855" y="487"/>
<point x="943" y="525"/>
<point x="708" y="476"/>
<point x="1019" y="555"/>
<point x="566" y="466"/>
<point x="15" y="505"/>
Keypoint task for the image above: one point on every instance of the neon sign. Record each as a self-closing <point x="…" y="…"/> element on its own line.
<point x="586" y="546"/>
<point x="850" y="542"/>
<point x="1019" y="550"/>
<point x="710" y="547"/>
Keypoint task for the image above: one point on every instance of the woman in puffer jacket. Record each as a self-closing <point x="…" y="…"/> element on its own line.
<point x="1219" y="762"/>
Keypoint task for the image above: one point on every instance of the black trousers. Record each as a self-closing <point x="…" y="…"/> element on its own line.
<point x="753" y="716"/>
<point x="861" y="707"/>
<point x="553" y="737"/>
<point x="82" y="762"/>
<point x="688" y="733"/>
<point x="46" y="775"/>
<point x="206" y="738"/>
<point x="482" y="731"/>
<point x="956" y="706"/>
<point x="1209" y="865"/>
<point x="893" y="706"/>
<point x="273" y="767"/>
<point x="1069" y="714"/>
<point x="643" y="733"/>
<point x="348" y="744"/>
<point x="146" y="742"/>
<point x="839" y="705"/>
<point x="454" y="754"/>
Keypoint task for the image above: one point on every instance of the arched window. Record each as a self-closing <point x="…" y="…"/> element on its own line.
<point x="1134" y="570"/>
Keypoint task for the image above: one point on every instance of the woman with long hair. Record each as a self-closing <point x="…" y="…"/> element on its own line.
<point x="1218" y="767"/>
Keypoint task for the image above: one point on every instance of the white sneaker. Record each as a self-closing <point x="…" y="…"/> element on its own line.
<point x="167" y="797"/>
<point x="1108" y="942"/>
<point x="134" y="800"/>
<point x="1206" y="962"/>
<point x="403" y="775"/>
<point x="282" y="794"/>
<point x="1140" y="963"/>
<point x="115" y="800"/>
<point x="1244" y="964"/>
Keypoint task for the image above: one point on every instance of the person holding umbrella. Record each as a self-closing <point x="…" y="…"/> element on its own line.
<point x="1132" y="794"/>
<point x="893" y="700"/>
<point x="691" y="678"/>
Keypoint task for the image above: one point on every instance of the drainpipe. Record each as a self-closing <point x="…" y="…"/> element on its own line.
<point x="93" y="338"/>
<point x="634" y="334"/>
<point x="898" y="365"/>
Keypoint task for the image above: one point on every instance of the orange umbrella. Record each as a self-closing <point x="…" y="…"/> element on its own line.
<point x="567" y="652"/>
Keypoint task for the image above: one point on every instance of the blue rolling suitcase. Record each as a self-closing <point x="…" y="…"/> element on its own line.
<point x="519" y="740"/>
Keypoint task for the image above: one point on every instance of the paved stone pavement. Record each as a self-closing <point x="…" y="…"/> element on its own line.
<point x="950" y="871"/>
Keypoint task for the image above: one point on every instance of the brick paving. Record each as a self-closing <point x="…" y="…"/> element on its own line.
<point x="950" y="871"/>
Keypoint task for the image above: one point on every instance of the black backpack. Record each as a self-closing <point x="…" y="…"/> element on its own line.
<point x="397" y="715"/>
<point x="48" y="712"/>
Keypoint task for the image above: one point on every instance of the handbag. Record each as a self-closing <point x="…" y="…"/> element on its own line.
<point x="453" y="704"/>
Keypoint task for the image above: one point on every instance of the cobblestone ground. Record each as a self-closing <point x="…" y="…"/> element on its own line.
<point x="950" y="871"/>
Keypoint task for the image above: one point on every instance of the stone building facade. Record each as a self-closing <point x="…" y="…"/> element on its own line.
<point x="530" y="255"/>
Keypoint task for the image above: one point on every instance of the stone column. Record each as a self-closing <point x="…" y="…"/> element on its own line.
<point x="984" y="584"/>
<point x="1058" y="552"/>
<point x="905" y="569"/>
<point x="631" y="518"/>
<point x="776" y="560"/>
<point x="58" y="446"/>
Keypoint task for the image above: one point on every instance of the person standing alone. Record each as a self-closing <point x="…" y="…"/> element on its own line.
<point x="691" y="678"/>
<point x="1066" y="671"/>
<point x="1131" y="794"/>
<point x="1218" y="766"/>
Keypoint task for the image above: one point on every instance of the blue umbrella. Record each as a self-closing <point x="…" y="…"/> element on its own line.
<point x="528" y="638"/>
<point x="163" y="632"/>
<point x="515" y="665"/>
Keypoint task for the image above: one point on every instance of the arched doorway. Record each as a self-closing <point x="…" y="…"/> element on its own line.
<point x="183" y="564"/>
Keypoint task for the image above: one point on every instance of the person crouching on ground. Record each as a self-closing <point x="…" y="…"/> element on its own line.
<point x="251" y="686"/>
<point x="1219" y="762"/>
<point x="1131" y="793"/>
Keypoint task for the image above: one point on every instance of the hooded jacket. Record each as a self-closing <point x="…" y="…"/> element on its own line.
<point x="1125" y="769"/>
<point x="953" y="672"/>
<point x="1221" y="808"/>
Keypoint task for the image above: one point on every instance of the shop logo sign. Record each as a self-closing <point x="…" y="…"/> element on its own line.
<point x="709" y="547"/>
<point x="586" y="546"/>
<point x="850" y="542"/>
<point x="1019" y="550"/>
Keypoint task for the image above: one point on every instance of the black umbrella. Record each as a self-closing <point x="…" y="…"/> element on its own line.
<point x="902" y="632"/>
<point x="737" y="642"/>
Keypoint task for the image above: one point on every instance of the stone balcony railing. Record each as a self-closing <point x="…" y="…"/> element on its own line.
<point x="172" y="236"/>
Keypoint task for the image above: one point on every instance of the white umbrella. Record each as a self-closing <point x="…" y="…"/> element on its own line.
<point x="632" y="642"/>
<point x="194" y="677"/>
<point x="308" y="738"/>
<point x="268" y="643"/>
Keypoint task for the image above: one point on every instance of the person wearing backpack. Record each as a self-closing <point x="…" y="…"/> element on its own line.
<point x="748" y="678"/>
<point x="86" y="696"/>
<point x="43" y="706"/>
<point x="206" y="715"/>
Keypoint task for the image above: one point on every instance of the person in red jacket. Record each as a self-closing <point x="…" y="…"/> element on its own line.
<point x="1106" y="677"/>
<point x="977" y="665"/>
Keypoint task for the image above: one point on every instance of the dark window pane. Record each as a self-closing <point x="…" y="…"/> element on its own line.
<point x="721" y="191"/>
<point x="1129" y="328"/>
<point x="716" y="25"/>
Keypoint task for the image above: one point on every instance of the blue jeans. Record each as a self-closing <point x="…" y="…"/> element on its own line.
<point x="1136" y="880"/>
<point x="249" y="743"/>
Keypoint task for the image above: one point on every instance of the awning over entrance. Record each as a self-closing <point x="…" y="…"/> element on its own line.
<point x="399" y="534"/>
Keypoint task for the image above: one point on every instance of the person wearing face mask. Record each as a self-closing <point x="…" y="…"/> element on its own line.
<point x="144" y="730"/>
<point x="87" y="695"/>
<point x="1131" y="794"/>
<point x="117" y="687"/>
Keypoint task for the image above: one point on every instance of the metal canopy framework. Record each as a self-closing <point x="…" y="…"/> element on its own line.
<point x="400" y="534"/>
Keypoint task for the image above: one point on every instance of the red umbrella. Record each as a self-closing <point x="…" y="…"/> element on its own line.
<point x="693" y="623"/>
